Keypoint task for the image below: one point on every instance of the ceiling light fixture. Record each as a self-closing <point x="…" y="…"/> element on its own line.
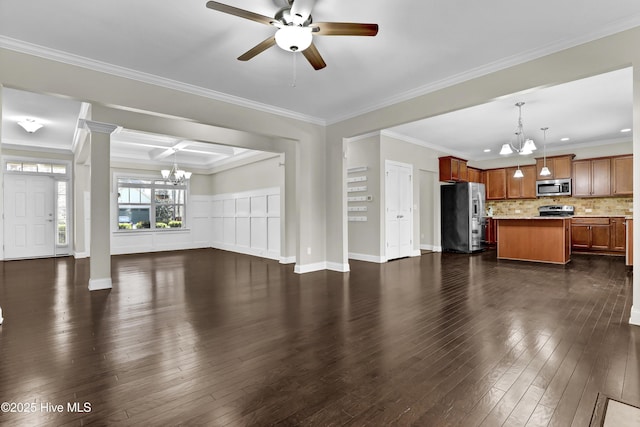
<point x="625" y="130"/>
<point x="30" y="125"/>
<point x="564" y="139"/>
<point x="523" y="146"/>
<point x="545" y="170"/>
<point x="294" y="38"/>
<point x="175" y="176"/>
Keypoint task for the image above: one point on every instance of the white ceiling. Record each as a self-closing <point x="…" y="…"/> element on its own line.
<point x="421" y="46"/>
<point x="60" y="119"/>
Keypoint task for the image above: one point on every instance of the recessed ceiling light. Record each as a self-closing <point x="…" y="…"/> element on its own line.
<point x="564" y="139"/>
<point x="487" y="150"/>
<point x="625" y="130"/>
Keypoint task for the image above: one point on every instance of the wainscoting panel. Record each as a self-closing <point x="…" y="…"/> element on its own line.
<point x="248" y="222"/>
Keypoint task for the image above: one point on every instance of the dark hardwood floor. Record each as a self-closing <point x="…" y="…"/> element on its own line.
<point x="206" y="337"/>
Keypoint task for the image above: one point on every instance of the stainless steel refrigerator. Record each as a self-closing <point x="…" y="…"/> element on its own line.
<point x="462" y="217"/>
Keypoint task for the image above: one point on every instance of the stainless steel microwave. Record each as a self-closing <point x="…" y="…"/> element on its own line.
<point x="553" y="187"/>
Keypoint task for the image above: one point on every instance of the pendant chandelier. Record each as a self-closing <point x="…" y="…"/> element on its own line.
<point x="175" y="176"/>
<point x="523" y="145"/>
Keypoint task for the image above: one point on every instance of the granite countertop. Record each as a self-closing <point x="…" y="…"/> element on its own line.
<point x="528" y="217"/>
<point x="557" y="217"/>
<point x="603" y="216"/>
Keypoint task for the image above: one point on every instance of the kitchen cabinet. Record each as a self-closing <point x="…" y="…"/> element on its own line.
<point x="600" y="234"/>
<point x="622" y="176"/>
<point x="474" y="175"/>
<point x="490" y="231"/>
<point x="592" y="177"/>
<point x="559" y="166"/>
<point x="521" y="188"/>
<point x="551" y="234"/>
<point x="590" y="234"/>
<point x="453" y="169"/>
<point x="496" y="184"/>
<point x="618" y="234"/>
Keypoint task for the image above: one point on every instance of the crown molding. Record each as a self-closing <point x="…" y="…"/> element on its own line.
<point x="98" y="127"/>
<point x="628" y="23"/>
<point x="16" y="145"/>
<point x="425" y="144"/>
<point x="80" y="61"/>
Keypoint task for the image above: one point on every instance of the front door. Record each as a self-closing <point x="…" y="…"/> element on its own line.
<point x="399" y="212"/>
<point x="29" y="216"/>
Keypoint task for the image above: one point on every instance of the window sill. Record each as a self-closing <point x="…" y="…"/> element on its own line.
<point x="155" y="230"/>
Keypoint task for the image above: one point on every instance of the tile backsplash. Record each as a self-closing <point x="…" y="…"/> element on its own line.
<point x="611" y="206"/>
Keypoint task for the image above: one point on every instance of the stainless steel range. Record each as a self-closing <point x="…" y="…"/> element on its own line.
<point x="556" y="210"/>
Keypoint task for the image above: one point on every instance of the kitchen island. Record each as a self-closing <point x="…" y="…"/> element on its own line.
<point x="537" y="238"/>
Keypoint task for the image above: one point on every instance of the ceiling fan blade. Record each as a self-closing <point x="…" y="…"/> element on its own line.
<point x="259" y="48"/>
<point x="301" y="9"/>
<point x="344" y="29"/>
<point x="240" y="12"/>
<point x="314" y="58"/>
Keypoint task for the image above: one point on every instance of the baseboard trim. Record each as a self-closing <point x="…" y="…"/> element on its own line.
<point x="367" y="257"/>
<point x="416" y="253"/>
<point x="308" y="268"/>
<point x="80" y="255"/>
<point x="431" y="248"/>
<point x="635" y="316"/>
<point x="287" y="259"/>
<point x="262" y="253"/>
<point x="339" y="267"/>
<point x="100" y="284"/>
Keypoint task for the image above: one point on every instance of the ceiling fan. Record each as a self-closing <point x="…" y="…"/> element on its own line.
<point x="296" y="29"/>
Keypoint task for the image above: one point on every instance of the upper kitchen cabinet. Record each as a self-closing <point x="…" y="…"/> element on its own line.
<point x="474" y="175"/>
<point x="496" y="184"/>
<point x="592" y="177"/>
<point x="622" y="176"/>
<point x="453" y="169"/>
<point x="521" y="188"/>
<point x="559" y="166"/>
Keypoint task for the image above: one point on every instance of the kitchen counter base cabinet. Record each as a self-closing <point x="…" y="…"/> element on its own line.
<point x="535" y="239"/>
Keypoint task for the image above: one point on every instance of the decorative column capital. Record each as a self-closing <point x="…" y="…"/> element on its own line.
<point x="99" y="127"/>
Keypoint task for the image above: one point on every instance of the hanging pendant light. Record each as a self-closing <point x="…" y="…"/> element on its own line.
<point x="518" y="173"/>
<point x="524" y="146"/>
<point x="175" y="176"/>
<point x="545" y="170"/>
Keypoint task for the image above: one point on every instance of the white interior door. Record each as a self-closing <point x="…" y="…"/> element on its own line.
<point x="29" y="226"/>
<point x="399" y="212"/>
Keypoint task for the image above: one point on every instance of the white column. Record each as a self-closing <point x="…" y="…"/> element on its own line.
<point x="1" y="197"/>
<point x="635" y="308"/>
<point x="100" y="246"/>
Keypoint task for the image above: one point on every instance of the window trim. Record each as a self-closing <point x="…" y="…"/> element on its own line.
<point x="153" y="186"/>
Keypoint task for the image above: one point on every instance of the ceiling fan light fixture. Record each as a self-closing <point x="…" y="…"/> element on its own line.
<point x="30" y="125"/>
<point x="293" y="38"/>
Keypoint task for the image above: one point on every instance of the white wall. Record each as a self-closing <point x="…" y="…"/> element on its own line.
<point x="367" y="239"/>
<point x="253" y="177"/>
<point x="364" y="237"/>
